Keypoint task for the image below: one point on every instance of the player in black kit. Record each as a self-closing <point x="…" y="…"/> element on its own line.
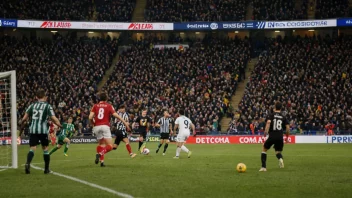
<point x="144" y="123"/>
<point x="121" y="132"/>
<point x="275" y="124"/>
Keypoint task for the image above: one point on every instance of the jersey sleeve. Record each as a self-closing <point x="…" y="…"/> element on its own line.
<point x="51" y="111"/>
<point x="159" y="121"/>
<point x="29" y="110"/>
<point x="270" y="117"/>
<point x="93" y="109"/>
<point x="112" y="110"/>
<point x="126" y="118"/>
<point x="285" y="121"/>
<point x="137" y="119"/>
<point x="177" y="121"/>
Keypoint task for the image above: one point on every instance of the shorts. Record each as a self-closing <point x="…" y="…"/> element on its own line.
<point x="102" y="131"/>
<point x="164" y="136"/>
<point x="143" y="134"/>
<point x="182" y="137"/>
<point x="120" y="135"/>
<point x="61" y="140"/>
<point x="35" y="138"/>
<point x="278" y="144"/>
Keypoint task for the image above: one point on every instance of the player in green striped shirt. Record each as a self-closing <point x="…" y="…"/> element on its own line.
<point x="67" y="131"/>
<point x="39" y="112"/>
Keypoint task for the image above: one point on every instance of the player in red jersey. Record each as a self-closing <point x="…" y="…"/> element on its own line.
<point x="101" y="113"/>
<point x="52" y="132"/>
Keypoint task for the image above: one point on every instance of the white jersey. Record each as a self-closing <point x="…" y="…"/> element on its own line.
<point x="184" y="125"/>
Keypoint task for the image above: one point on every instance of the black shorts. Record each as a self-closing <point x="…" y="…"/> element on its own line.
<point x="143" y="134"/>
<point x="277" y="142"/>
<point x="120" y="135"/>
<point x="164" y="136"/>
<point x="35" y="138"/>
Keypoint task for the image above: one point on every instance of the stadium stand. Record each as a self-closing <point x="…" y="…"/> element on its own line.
<point x="68" y="68"/>
<point x="278" y="10"/>
<point x="331" y="9"/>
<point x="47" y="9"/>
<point x="311" y="76"/>
<point x="199" y="79"/>
<point x="188" y="10"/>
<point x="112" y="10"/>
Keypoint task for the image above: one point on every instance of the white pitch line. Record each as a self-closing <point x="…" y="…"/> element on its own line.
<point x="87" y="183"/>
<point x="3" y="170"/>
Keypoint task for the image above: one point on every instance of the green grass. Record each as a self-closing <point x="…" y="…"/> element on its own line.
<point x="311" y="170"/>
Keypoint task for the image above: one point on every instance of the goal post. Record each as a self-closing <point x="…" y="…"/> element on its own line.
<point x="8" y="120"/>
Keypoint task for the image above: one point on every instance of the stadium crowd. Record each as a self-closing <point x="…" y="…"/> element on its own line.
<point x="110" y="10"/>
<point x="47" y="9"/>
<point x="201" y="10"/>
<point x="67" y="67"/>
<point x="278" y="10"/>
<point x="311" y="76"/>
<point x="326" y="9"/>
<point x="200" y="79"/>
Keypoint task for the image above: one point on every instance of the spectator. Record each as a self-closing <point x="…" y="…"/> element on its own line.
<point x="112" y="10"/>
<point x="47" y="9"/>
<point x="68" y="68"/>
<point x="189" y="10"/>
<point x="278" y="10"/>
<point x="326" y="9"/>
<point x="172" y="79"/>
<point x="306" y="75"/>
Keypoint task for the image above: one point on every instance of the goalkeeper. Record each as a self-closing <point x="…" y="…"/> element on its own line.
<point x="67" y="131"/>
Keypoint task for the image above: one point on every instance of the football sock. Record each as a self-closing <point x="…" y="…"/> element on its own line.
<point x="66" y="147"/>
<point x="178" y="151"/>
<point x="129" y="149"/>
<point x="140" y="145"/>
<point x="99" y="149"/>
<point x="107" y="149"/>
<point x="160" y="144"/>
<point x="101" y="159"/>
<point x="165" y="147"/>
<point x="53" y="150"/>
<point x="185" y="149"/>
<point x="279" y="156"/>
<point x="30" y="156"/>
<point x="46" y="159"/>
<point x="263" y="157"/>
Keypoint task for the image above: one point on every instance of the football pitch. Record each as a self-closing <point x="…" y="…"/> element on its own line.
<point x="311" y="170"/>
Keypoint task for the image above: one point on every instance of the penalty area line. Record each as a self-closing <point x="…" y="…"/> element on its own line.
<point x="3" y="170"/>
<point x="87" y="183"/>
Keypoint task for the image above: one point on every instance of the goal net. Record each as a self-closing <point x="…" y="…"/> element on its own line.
<point x="8" y="120"/>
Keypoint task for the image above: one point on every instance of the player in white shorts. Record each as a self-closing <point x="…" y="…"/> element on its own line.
<point x="184" y="124"/>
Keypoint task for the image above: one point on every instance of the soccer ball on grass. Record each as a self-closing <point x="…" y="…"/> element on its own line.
<point x="241" y="168"/>
<point x="146" y="151"/>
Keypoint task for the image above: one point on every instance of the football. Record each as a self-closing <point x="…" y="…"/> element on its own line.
<point x="146" y="151"/>
<point x="241" y="168"/>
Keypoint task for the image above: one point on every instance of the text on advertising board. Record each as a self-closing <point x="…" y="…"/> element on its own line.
<point x="54" y="24"/>
<point x="141" y="26"/>
<point x="8" y="23"/>
<point x="340" y="139"/>
<point x="233" y="139"/>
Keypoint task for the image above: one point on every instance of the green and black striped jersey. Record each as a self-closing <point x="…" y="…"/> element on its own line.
<point x="39" y="112"/>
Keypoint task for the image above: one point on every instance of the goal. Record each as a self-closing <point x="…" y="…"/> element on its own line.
<point x="8" y="120"/>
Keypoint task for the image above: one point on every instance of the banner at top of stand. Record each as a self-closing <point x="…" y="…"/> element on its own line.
<point x="192" y="26"/>
<point x="94" y="25"/>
